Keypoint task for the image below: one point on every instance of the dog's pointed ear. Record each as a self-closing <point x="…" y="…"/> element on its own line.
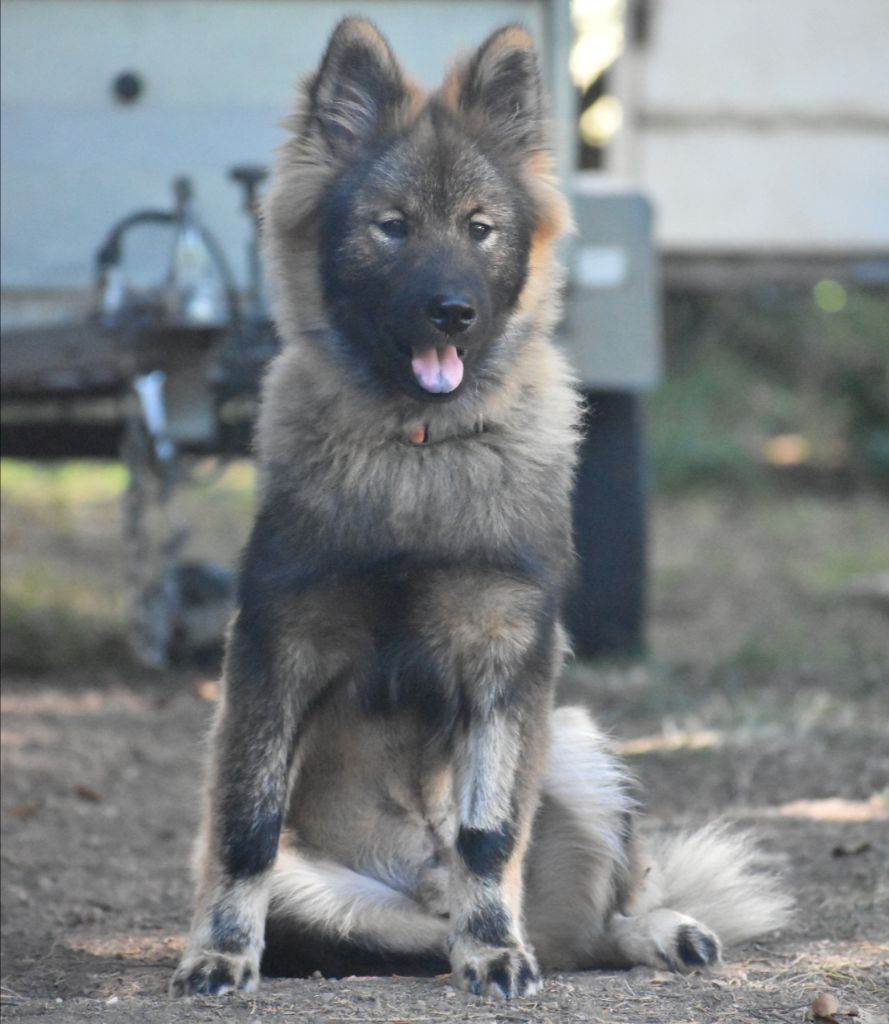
<point x="359" y="88"/>
<point x="501" y="83"/>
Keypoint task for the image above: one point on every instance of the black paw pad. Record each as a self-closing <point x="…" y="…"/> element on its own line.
<point x="470" y="976"/>
<point x="195" y="983"/>
<point x="498" y="974"/>
<point x="695" y="947"/>
<point x="527" y="975"/>
<point x="211" y="977"/>
<point x="219" y="978"/>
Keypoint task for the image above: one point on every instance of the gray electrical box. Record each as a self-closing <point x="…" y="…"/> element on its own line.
<point x="611" y="327"/>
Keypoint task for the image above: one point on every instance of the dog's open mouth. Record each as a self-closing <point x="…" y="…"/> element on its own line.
<point x="438" y="370"/>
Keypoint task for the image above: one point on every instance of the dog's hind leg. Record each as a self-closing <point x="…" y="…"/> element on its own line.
<point x="322" y="912"/>
<point x="584" y="874"/>
<point x="598" y="897"/>
<point x="662" y="938"/>
<point x="581" y="863"/>
<point x="699" y="890"/>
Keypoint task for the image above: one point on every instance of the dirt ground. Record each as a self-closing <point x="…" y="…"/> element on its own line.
<point x="765" y="698"/>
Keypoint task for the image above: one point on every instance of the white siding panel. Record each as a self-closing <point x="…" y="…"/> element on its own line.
<point x="762" y="191"/>
<point x="768" y="56"/>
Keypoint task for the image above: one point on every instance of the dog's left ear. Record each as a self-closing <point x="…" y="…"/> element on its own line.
<point x="501" y="84"/>
<point x="359" y="89"/>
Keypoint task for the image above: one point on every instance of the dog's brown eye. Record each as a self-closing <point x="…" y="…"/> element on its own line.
<point x="393" y="227"/>
<point x="479" y="230"/>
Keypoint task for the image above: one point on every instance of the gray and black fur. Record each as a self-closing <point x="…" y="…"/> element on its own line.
<point x="389" y="783"/>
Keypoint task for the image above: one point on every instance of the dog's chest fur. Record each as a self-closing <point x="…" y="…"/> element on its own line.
<point x="342" y="478"/>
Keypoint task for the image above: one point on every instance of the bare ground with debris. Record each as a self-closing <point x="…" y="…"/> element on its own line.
<point x="765" y="698"/>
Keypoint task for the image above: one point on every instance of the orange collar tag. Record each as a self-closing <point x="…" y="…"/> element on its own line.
<point x="418" y="436"/>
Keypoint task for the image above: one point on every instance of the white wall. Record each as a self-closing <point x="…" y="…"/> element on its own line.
<point x="762" y="124"/>
<point x="220" y="76"/>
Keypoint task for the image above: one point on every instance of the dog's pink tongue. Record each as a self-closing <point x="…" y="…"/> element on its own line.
<point x="438" y="372"/>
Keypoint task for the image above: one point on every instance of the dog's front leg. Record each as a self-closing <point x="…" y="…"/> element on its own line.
<point x="495" y="639"/>
<point x="251" y="754"/>
<point x="497" y="792"/>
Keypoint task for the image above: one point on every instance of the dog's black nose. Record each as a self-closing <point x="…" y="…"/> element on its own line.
<point x="449" y="314"/>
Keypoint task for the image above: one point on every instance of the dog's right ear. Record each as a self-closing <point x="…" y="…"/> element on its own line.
<point x="359" y="88"/>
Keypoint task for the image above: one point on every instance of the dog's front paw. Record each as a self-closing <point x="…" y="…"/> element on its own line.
<point x="497" y="971"/>
<point x="213" y="974"/>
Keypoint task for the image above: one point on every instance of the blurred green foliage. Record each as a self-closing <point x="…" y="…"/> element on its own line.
<point x="748" y="366"/>
<point x="62" y="585"/>
<point x="62" y="604"/>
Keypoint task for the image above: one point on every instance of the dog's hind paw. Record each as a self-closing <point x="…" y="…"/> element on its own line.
<point x="500" y="973"/>
<point x="665" y="938"/>
<point x="213" y="974"/>
<point x="689" y="947"/>
<point x="696" y="946"/>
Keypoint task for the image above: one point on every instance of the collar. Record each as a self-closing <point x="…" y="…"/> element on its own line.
<point x="419" y="437"/>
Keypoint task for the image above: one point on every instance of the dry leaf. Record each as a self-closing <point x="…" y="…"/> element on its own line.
<point x="836" y="809"/>
<point x="24" y="812"/>
<point x="89" y="794"/>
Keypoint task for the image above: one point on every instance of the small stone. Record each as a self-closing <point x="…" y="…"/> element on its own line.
<point x="824" y="1006"/>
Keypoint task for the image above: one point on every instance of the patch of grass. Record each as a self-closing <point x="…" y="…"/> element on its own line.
<point x="696" y="417"/>
<point x="834" y="568"/>
<point x="68" y="483"/>
<point x="40" y="584"/>
<point x="63" y="586"/>
<point x="755" y="656"/>
<point x="40" y="638"/>
<point x="746" y="367"/>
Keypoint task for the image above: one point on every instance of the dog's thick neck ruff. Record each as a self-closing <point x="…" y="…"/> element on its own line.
<point x="312" y="402"/>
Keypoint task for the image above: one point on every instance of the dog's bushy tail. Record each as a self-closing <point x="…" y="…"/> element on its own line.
<point x="720" y="877"/>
